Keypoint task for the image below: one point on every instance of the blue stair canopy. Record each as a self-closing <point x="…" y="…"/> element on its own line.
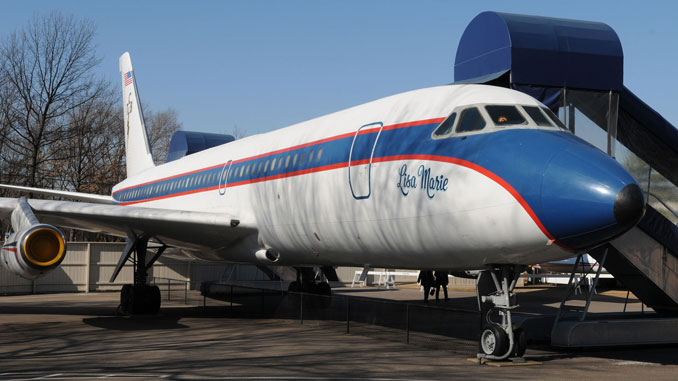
<point x="541" y="56"/>
<point x="184" y="143"/>
<point x="540" y="51"/>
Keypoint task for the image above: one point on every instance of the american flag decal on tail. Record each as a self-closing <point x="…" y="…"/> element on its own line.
<point x="127" y="77"/>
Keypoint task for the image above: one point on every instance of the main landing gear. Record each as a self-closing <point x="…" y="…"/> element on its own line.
<point x="499" y="338"/>
<point x="139" y="298"/>
<point x="310" y="280"/>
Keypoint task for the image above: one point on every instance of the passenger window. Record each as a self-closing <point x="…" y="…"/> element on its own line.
<point x="319" y="155"/>
<point x="446" y="126"/>
<point x="242" y="170"/>
<point x="294" y="161"/>
<point x="470" y="120"/>
<point x="310" y="156"/>
<point x="273" y="164"/>
<point x="259" y="167"/>
<point x="505" y="115"/>
<point x="280" y="163"/>
<point x="302" y="159"/>
<point x="554" y="118"/>
<point x="287" y="162"/>
<point x="537" y="116"/>
<point x="266" y="167"/>
<point x="247" y="170"/>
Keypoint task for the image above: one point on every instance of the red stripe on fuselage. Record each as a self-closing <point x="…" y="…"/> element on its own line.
<point x="283" y="150"/>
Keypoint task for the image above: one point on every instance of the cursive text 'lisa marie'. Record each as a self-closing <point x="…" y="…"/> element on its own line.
<point x="423" y="177"/>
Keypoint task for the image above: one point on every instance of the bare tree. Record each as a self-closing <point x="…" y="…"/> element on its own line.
<point x="161" y="126"/>
<point x="86" y="156"/>
<point x="237" y="133"/>
<point x="48" y="66"/>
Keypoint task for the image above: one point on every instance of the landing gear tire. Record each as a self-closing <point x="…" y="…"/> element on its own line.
<point x="323" y="288"/>
<point x="139" y="299"/>
<point x="125" y="296"/>
<point x="520" y="343"/>
<point x="153" y="300"/>
<point x="493" y="341"/>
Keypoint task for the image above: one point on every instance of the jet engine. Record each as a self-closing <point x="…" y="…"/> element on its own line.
<point x="33" y="249"/>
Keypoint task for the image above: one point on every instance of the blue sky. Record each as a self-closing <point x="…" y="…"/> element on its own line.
<point x="262" y="65"/>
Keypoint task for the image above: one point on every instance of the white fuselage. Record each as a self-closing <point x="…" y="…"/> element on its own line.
<point x="463" y="218"/>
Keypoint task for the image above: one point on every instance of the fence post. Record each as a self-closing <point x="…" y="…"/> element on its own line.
<point x="262" y="302"/>
<point x="301" y="308"/>
<point x="88" y="261"/>
<point x="231" y="297"/>
<point x="169" y="289"/>
<point x="186" y="293"/>
<point x="348" y="314"/>
<point x="407" y="323"/>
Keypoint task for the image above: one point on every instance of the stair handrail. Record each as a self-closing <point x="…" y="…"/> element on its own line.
<point x="663" y="204"/>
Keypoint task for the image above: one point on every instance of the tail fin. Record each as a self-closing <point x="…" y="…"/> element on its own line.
<point x="137" y="148"/>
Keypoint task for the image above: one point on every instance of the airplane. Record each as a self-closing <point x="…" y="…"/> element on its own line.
<point x="455" y="177"/>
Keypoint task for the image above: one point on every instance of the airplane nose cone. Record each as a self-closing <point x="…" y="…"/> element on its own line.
<point x="587" y="198"/>
<point x="629" y="206"/>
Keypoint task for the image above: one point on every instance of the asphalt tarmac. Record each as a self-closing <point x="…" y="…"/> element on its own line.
<point x="79" y="336"/>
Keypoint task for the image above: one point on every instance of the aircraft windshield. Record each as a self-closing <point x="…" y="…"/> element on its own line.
<point x="554" y="118"/>
<point x="446" y="126"/>
<point x="505" y="115"/>
<point x="537" y="116"/>
<point x="470" y="120"/>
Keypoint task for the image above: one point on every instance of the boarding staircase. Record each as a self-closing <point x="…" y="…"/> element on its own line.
<point x="645" y="260"/>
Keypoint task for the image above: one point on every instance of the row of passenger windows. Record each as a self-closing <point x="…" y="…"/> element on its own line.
<point x="471" y="119"/>
<point x="263" y="167"/>
<point x="238" y="171"/>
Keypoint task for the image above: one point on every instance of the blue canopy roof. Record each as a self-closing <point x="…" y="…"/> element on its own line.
<point x="188" y="142"/>
<point x="540" y="51"/>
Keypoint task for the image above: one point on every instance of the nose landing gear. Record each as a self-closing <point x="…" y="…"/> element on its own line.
<point x="499" y="338"/>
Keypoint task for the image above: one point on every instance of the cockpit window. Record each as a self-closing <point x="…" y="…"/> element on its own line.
<point x="505" y="115"/>
<point x="446" y="126"/>
<point x="470" y="120"/>
<point x="554" y="118"/>
<point x="537" y="116"/>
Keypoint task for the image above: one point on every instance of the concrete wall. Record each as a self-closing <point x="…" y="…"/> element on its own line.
<point x="88" y="267"/>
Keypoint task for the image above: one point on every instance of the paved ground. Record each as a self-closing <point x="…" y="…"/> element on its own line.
<point x="532" y="299"/>
<point x="78" y="336"/>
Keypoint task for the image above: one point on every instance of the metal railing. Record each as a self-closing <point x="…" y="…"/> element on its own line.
<point x="412" y="323"/>
<point x="664" y="204"/>
<point x="172" y="289"/>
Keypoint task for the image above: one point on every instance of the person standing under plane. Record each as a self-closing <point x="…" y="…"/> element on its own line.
<point x="441" y="281"/>
<point x="427" y="281"/>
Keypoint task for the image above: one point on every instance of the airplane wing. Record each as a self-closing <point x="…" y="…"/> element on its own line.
<point x="78" y="196"/>
<point x="187" y="229"/>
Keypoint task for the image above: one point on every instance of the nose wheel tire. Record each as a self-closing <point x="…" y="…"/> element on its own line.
<point x="520" y="343"/>
<point x="493" y="341"/>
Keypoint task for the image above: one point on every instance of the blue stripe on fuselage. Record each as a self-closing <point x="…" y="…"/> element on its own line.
<point x="571" y="199"/>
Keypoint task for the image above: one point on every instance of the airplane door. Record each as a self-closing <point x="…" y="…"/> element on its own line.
<point x="360" y="159"/>
<point x="223" y="177"/>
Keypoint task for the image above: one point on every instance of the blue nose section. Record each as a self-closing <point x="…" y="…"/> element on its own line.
<point x="587" y="198"/>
